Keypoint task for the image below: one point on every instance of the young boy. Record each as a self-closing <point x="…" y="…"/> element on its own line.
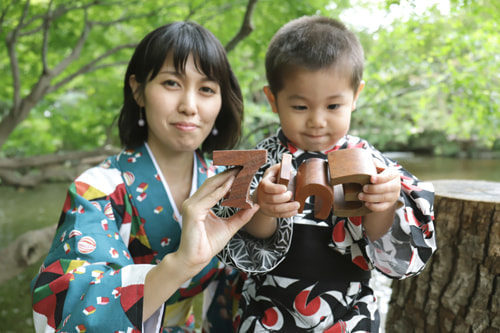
<point x="308" y="274"/>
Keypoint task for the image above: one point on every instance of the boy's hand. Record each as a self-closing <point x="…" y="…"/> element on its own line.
<point x="274" y="199"/>
<point x="384" y="190"/>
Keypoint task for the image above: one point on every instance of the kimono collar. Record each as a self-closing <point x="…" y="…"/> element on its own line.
<point x="302" y="155"/>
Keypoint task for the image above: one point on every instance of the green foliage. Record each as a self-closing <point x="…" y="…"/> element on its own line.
<point x="434" y="73"/>
<point x="426" y="72"/>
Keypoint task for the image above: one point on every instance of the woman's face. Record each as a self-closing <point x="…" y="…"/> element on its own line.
<point x="181" y="108"/>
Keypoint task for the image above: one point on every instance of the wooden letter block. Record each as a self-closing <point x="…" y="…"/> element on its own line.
<point x="312" y="179"/>
<point x="285" y="169"/>
<point x="250" y="161"/>
<point x="350" y="169"/>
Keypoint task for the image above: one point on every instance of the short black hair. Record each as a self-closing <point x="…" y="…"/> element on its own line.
<point x="313" y="42"/>
<point x="182" y="39"/>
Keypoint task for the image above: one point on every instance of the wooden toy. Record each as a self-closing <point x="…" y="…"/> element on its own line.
<point x="249" y="162"/>
<point x="350" y="169"/>
<point x="312" y="179"/>
<point x="335" y="183"/>
<point x="285" y="172"/>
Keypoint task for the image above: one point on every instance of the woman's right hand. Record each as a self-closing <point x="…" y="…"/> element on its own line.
<point x="203" y="236"/>
<point x="203" y="233"/>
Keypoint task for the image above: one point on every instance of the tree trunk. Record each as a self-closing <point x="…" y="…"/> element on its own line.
<point x="459" y="290"/>
<point x="24" y="251"/>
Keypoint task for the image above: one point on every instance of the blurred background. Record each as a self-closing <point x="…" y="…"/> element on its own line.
<point x="431" y="99"/>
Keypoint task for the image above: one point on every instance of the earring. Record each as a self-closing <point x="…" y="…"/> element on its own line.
<point x="215" y="131"/>
<point x="141" y="121"/>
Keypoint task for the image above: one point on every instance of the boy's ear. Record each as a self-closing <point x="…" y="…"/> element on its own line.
<point x="270" y="98"/>
<point x="361" y="86"/>
<point x="134" y="85"/>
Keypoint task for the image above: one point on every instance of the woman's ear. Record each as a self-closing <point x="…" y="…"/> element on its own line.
<point x="134" y="86"/>
<point x="271" y="98"/>
<point x="356" y="95"/>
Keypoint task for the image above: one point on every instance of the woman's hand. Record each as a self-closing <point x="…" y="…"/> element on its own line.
<point x="203" y="236"/>
<point x="203" y="233"/>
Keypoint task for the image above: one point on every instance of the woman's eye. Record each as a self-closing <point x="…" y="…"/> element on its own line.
<point x="170" y="83"/>
<point x="207" y="90"/>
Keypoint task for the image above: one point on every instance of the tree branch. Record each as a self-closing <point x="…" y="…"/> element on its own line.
<point x="45" y="42"/>
<point x="246" y="27"/>
<point x="11" y="41"/>
<point x="83" y="70"/>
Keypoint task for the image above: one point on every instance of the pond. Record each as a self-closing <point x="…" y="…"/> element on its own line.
<point x="24" y="210"/>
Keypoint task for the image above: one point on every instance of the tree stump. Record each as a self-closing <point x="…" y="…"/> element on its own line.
<point x="459" y="290"/>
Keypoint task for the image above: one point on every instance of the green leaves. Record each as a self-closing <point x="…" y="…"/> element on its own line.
<point x="428" y="72"/>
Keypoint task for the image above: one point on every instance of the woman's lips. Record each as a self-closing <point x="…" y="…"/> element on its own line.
<point x="184" y="126"/>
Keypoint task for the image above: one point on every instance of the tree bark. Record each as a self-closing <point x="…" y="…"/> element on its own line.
<point x="26" y="250"/>
<point x="459" y="290"/>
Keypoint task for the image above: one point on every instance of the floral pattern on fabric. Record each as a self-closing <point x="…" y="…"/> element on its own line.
<point x="117" y="223"/>
<point x="320" y="298"/>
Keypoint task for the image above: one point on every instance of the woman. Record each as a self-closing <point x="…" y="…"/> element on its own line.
<point x="131" y="250"/>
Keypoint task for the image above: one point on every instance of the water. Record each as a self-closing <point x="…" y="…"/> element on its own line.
<point x="430" y="168"/>
<point x="28" y="209"/>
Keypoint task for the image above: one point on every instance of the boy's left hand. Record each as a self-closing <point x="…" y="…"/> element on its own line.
<point x="384" y="190"/>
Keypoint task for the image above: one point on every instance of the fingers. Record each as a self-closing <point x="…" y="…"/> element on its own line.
<point x="211" y="191"/>
<point x="287" y="209"/>
<point x="238" y="220"/>
<point x="384" y="191"/>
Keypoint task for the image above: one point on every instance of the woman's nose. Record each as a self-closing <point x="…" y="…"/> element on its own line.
<point x="187" y="103"/>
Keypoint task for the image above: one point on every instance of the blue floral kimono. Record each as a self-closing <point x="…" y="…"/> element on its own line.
<point x="119" y="220"/>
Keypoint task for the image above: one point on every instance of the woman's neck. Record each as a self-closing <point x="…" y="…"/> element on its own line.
<point x="177" y="169"/>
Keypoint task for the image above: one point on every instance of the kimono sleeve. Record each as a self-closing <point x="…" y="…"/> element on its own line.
<point x="89" y="276"/>
<point x="406" y="248"/>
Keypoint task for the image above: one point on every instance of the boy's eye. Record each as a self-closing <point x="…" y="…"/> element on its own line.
<point x="299" y="107"/>
<point x="333" y="106"/>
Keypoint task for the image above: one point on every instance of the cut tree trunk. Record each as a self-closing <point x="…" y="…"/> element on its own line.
<point x="459" y="290"/>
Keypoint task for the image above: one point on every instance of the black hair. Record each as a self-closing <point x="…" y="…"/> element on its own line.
<point x="182" y="39"/>
<point x="313" y="42"/>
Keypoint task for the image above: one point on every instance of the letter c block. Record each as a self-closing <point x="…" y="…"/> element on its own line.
<point x="312" y="179"/>
<point x="250" y="161"/>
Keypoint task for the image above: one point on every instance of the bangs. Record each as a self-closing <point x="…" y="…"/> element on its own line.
<point x="183" y="41"/>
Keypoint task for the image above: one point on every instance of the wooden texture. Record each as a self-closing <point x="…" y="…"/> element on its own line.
<point x="350" y="169"/>
<point x="285" y="172"/>
<point x="249" y="161"/>
<point x="459" y="290"/>
<point x="312" y="179"/>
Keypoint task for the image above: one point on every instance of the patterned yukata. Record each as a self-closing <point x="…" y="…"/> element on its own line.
<point x="119" y="220"/>
<point x="313" y="275"/>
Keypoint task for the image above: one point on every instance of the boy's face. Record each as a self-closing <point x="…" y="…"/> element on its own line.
<point x="314" y="106"/>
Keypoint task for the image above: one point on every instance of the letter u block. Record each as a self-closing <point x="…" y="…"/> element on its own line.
<point x="312" y="179"/>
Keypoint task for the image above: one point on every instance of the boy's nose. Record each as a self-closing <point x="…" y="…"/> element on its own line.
<point x="316" y="120"/>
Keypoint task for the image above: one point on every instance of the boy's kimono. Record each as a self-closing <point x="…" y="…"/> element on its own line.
<point x="119" y="220"/>
<point x="313" y="275"/>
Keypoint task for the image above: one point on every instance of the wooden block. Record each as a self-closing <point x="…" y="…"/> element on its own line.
<point x="352" y="168"/>
<point x="347" y="208"/>
<point x="250" y="161"/>
<point x="312" y="179"/>
<point x="285" y="169"/>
